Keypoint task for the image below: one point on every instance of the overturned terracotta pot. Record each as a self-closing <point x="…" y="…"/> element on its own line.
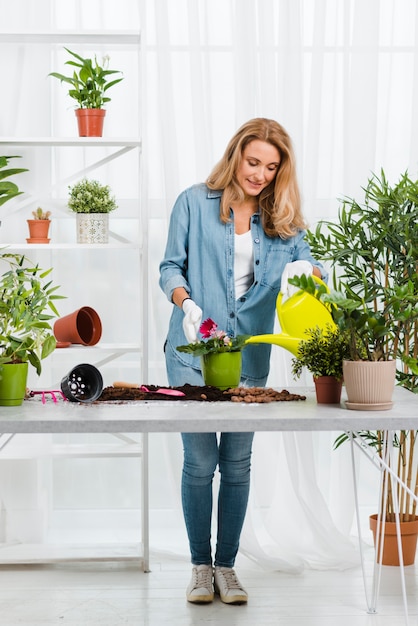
<point x="82" y="326"/>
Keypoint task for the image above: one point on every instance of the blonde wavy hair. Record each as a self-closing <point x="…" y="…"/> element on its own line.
<point x="279" y="202"/>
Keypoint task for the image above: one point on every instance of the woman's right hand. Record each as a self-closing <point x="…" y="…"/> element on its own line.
<point x="192" y="319"/>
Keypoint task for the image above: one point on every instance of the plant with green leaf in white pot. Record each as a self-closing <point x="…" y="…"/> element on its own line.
<point x="92" y="202"/>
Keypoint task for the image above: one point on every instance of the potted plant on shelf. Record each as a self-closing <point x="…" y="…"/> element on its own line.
<point x="373" y="249"/>
<point x="89" y="87"/>
<point x="8" y="190"/>
<point x="220" y="355"/>
<point x="92" y="203"/>
<point x="39" y="226"/>
<point x="322" y="353"/>
<point x="27" y="304"/>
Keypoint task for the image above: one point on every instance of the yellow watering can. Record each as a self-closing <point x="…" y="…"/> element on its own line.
<point x="296" y="314"/>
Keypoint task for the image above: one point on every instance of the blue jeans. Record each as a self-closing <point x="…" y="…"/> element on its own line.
<point x="202" y="454"/>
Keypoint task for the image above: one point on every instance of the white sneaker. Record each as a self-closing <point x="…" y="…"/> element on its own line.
<point x="228" y="586"/>
<point x="200" y="588"/>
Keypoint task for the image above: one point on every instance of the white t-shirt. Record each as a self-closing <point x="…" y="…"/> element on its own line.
<point x="244" y="263"/>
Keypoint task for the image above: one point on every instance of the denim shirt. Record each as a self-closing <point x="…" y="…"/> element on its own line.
<point x="199" y="256"/>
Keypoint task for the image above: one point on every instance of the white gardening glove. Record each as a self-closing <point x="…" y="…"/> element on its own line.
<point x="192" y="319"/>
<point x="297" y="268"/>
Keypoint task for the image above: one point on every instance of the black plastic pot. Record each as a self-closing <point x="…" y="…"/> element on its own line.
<point x="83" y="384"/>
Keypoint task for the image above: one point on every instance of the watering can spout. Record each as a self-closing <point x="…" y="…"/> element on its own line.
<point x="284" y="341"/>
<point x="296" y="314"/>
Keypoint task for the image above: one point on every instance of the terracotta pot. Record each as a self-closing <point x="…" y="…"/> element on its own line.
<point x="90" y="122"/>
<point x="38" y="231"/>
<point x="409" y="533"/>
<point x="83" y="384"/>
<point x="328" y="389"/>
<point x="13" y="378"/>
<point x="82" y="326"/>
<point x="222" y="370"/>
<point x="369" y="384"/>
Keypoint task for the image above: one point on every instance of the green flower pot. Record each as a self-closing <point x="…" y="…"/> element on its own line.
<point x="222" y="370"/>
<point x="13" y="377"/>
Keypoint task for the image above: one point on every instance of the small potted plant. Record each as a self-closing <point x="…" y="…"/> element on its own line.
<point x="322" y="353"/>
<point x="220" y="355"/>
<point x="26" y="306"/>
<point x="92" y="203"/>
<point x="39" y="226"/>
<point x="8" y="190"/>
<point x="89" y="85"/>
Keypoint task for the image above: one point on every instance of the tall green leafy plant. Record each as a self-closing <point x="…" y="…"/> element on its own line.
<point x="373" y="250"/>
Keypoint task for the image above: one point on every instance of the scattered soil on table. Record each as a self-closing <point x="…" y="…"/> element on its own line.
<point x="203" y="393"/>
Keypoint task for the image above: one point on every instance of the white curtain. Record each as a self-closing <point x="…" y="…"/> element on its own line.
<point x="342" y="77"/>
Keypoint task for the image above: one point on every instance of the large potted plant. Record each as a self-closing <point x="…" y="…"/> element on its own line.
<point x="27" y="304"/>
<point x="89" y="85"/>
<point x="220" y="355"/>
<point x="8" y="189"/>
<point x="322" y="352"/>
<point x="92" y="202"/>
<point x="372" y="247"/>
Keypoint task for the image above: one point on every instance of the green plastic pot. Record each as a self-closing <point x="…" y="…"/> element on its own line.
<point x="13" y="378"/>
<point x="222" y="369"/>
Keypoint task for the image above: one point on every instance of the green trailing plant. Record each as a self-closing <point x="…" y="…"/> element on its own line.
<point x="89" y="81"/>
<point x="322" y="352"/>
<point x="27" y="304"/>
<point x="40" y="214"/>
<point x="8" y="190"/>
<point x="90" y="196"/>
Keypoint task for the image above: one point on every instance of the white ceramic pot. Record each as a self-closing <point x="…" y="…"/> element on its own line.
<point x="369" y="384"/>
<point x="92" y="227"/>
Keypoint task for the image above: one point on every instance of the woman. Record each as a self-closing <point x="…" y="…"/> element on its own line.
<point x="233" y="243"/>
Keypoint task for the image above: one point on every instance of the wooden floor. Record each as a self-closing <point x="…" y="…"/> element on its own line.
<point x="113" y="594"/>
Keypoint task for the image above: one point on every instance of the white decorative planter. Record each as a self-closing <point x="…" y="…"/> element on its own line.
<point x="369" y="384"/>
<point x="92" y="227"/>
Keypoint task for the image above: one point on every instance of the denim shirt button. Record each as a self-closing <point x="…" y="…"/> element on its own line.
<point x="242" y="299"/>
<point x="257" y="262"/>
<point x="256" y="241"/>
<point x="232" y="314"/>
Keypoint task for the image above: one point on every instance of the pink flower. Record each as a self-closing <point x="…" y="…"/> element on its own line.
<point x="207" y="328"/>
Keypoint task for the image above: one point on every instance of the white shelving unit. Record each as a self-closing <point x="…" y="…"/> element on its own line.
<point x="128" y="235"/>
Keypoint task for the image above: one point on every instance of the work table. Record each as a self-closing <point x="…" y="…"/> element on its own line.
<point x="182" y="416"/>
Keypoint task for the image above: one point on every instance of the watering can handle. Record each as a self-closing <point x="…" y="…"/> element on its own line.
<point x="316" y="279"/>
